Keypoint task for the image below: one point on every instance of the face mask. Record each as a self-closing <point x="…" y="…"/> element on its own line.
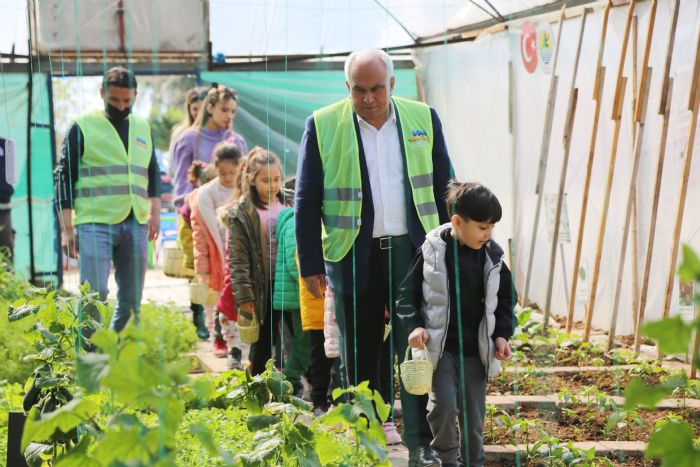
<point x="115" y="114"/>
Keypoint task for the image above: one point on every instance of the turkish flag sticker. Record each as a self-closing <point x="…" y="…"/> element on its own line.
<point x="528" y="46"/>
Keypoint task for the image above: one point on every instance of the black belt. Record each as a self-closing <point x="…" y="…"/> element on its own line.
<point x="386" y="242"/>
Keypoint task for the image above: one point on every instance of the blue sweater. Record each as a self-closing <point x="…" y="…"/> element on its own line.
<point x="309" y="200"/>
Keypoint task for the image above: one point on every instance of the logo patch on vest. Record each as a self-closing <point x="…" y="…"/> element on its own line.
<point x="142" y="142"/>
<point x="418" y="135"/>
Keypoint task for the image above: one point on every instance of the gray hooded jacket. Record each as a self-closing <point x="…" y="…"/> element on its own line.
<point x="435" y="303"/>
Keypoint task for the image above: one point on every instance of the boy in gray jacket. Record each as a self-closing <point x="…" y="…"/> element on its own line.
<point x="458" y="300"/>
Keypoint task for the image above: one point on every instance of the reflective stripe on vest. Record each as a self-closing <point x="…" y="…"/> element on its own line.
<point x="342" y="181"/>
<point x="112" y="181"/>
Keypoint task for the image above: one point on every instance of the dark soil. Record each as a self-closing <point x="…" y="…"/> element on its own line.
<point x="531" y="382"/>
<point x="574" y="355"/>
<point x="580" y="423"/>
<point x="622" y="461"/>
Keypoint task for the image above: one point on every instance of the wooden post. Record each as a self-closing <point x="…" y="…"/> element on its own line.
<point x="617" y="118"/>
<point x="635" y="220"/>
<point x="696" y="348"/>
<point x="694" y="100"/>
<point x="566" y="141"/>
<point x="544" y="154"/>
<point x="597" y="97"/>
<point x="639" y="118"/>
<point x="664" y="110"/>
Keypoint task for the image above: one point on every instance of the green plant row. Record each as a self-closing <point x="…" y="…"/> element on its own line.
<point x="130" y="400"/>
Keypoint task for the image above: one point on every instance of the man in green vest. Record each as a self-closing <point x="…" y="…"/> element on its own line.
<point x="108" y="188"/>
<point x="371" y="176"/>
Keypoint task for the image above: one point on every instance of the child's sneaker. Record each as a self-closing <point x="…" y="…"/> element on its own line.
<point x="234" y="359"/>
<point x="391" y="433"/>
<point x="219" y="348"/>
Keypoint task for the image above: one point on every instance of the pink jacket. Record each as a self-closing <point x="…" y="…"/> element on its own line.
<point x="207" y="259"/>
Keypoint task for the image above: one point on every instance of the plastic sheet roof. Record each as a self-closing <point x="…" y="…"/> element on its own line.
<point x="300" y="27"/>
<point x="279" y="27"/>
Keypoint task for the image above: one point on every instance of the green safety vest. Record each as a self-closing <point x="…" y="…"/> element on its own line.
<point x="342" y="181"/>
<point x="112" y="182"/>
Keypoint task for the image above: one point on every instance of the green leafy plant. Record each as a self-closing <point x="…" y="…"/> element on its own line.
<point x="363" y="416"/>
<point x="57" y="326"/>
<point x="13" y="347"/>
<point x="493" y="415"/>
<point x="672" y="442"/>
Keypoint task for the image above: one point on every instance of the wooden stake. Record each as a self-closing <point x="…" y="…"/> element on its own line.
<point x="597" y="97"/>
<point x="638" y="118"/>
<point x="696" y="348"/>
<point x="694" y="99"/>
<point x="664" y="110"/>
<point x="635" y="220"/>
<point x="617" y="118"/>
<point x="566" y="141"/>
<point x="544" y="154"/>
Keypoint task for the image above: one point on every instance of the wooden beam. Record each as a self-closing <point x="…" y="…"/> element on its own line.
<point x="566" y="142"/>
<point x="664" y="110"/>
<point x="618" y="100"/>
<point x="597" y="97"/>
<point x="544" y="154"/>
<point x="694" y="100"/>
<point x="639" y="120"/>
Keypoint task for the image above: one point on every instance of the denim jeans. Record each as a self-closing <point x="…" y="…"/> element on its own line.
<point x="124" y="244"/>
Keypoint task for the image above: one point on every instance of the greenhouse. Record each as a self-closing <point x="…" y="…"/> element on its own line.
<point x="378" y="232"/>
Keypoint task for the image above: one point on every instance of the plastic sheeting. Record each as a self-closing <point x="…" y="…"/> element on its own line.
<point x="279" y="27"/>
<point x="274" y="105"/>
<point x="469" y="86"/>
<point x="158" y="25"/>
<point x="13" y="124"/>
<point x="245" y="27"/>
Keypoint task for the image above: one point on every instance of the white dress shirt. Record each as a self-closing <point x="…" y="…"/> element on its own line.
<point x="386" y="176"/>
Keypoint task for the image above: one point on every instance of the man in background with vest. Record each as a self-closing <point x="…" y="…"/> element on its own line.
<point x="108" y="187"/>
<point x="371" y="177"/>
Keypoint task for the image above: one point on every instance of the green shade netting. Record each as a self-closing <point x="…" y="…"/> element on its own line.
<point x="13" y="124"/>
<point x="274" y="104"/>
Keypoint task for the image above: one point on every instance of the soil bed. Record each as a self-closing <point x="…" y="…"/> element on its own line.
<point x="581" y="423"/>
<point x="530" y="382"/>
<point x="624" y="461"/>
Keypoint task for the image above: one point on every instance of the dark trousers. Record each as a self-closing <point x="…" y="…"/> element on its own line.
<point x="319" y="369"/>
<point x="7" y="234"/>
<point x="261" y="351"/>
<point x="362" y="351"/>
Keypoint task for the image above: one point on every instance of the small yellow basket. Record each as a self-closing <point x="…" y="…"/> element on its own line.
<point x="248" y="329"/>
<point x="417" y="375"/>
<point x="172" y="261"/>
<point x="212" y="297"/>
<point x="198" y="293"/>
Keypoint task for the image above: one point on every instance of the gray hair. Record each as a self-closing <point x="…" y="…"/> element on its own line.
<point x="369" y="54"/>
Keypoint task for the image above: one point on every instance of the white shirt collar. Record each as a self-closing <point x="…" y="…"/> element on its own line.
<point x="392" y="117"/>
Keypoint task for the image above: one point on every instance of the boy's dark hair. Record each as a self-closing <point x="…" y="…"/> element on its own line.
<point x="472" y="201"/>
<point x="119" y="77"/>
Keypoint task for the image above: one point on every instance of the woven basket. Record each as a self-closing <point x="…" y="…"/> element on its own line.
<point x="186" y="272"/>
<point x="198" y="293"/>
<point x="387" y="331"/>
<point x="212" y="297"/>
<point x="417" y="375"/>
<point x="248" y="329"/>
<point x="172" y="261"/>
